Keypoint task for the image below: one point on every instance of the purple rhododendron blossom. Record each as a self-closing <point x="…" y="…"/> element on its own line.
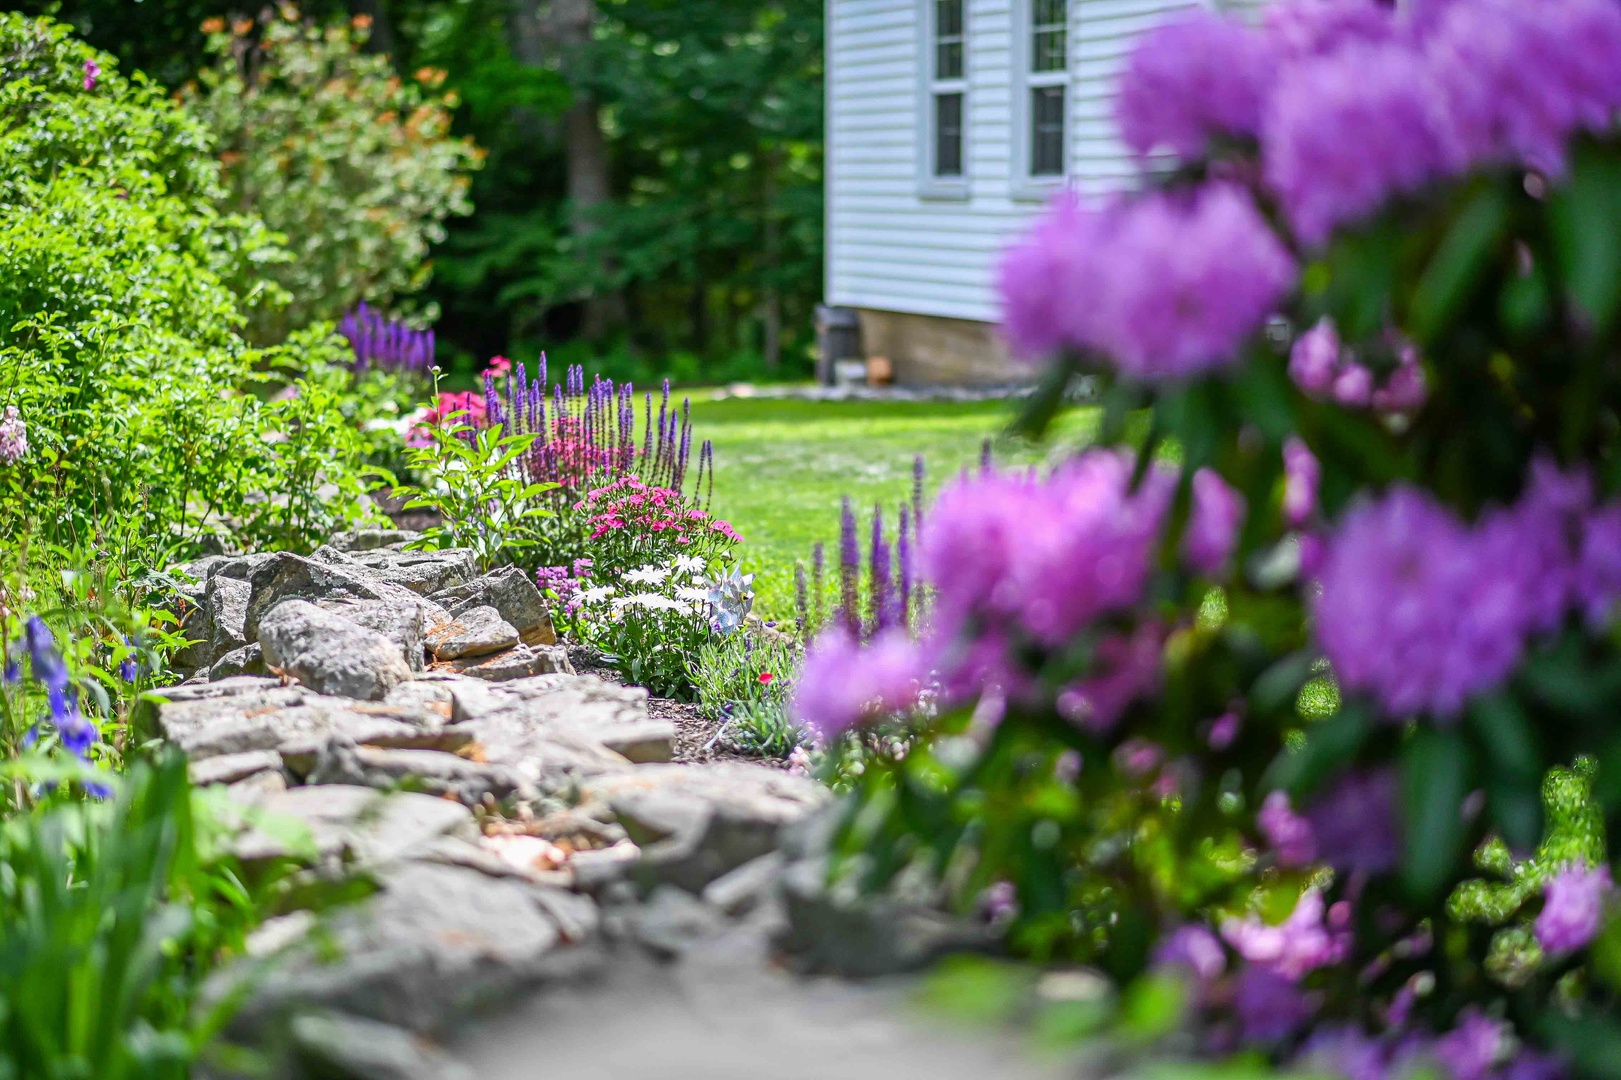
<point x="1301" y="475"/>
<point x="1345" y="132"/>
<point x="1473" y="1048"/>
<point x="1518" y="81"/>
<point x="1354" y="822"/>
<point x="1314" y="359"/>
<point x="1046" y="556"/>
<point x="1190" y="278"/>
<point x="1125" y="669"/>
<point x="1047" y="281"/>
<point x="1420" y="611"/>
<point x="843" y="684"/>
<point x="1287" y="834"/>
<point x="1194" y="949"/>
<point x="1573" y="908"/>
<point x="1301" y="29"/>
<point x="1168" y="285"/>
<point x="1214" y="523"/>
<point x="1270" y="1007"/>
<point x="1191" y="78"/>
<point x="1313" y="936"/>
<point x="1598" y="567"/>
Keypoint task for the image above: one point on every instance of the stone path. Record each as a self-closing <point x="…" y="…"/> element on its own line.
<point x="377" y="715"/>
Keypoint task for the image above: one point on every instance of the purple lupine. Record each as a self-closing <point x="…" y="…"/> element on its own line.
<point x="917" y="495"/>
<point x="386" y="343"/>
<point x="801" y="602"/>
<point x="818" y="583"/>
<point x="903" y="555"/>
<point x="880" y="573"/>
<point x="849" y="571"/>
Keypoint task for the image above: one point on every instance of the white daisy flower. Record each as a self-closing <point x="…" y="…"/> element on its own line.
<point x="688" y="564"/>
<point x="647" y="575"/>
<point x="692" y="593"/>
<point x="650" y="601"/>
<point x="596" y="594"/>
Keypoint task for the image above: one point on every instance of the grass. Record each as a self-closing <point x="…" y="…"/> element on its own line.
<point x="783" y="467"/>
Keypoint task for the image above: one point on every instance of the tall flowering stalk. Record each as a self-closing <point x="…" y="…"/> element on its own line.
<point x="385" y="343"/>
<point x="587" y="434"/>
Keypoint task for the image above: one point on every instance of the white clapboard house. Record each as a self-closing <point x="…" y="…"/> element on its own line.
<point x="950" y="123"/>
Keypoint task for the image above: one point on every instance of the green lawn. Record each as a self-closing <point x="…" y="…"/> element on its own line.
<point x="782" y="468"/>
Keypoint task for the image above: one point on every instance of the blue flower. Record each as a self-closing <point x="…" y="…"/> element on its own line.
<point x="48" y="666"/>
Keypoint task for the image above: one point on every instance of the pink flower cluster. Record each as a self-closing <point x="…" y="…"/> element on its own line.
<point x="1165" y="286"/>
<point x="1018" y="561"/>
<point x="468" y="404"/>
<point x="1354" y="102"/>
<point x="1328" y="371"/>
<point x="1421" y="610"/>
<point x="631" y="506"/>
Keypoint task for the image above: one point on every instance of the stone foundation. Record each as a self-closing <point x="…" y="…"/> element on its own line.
<point x="930" y="349"/>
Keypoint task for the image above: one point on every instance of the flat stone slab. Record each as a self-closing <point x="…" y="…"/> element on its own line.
<point x="519" y="662"/>
<point x="345" y="823"/>
<point x="697" y="823"/>
<point x="476" y="631"/>
<point x="434" y="944"/>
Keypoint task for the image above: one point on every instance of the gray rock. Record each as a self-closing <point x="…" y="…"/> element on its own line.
<point x="696" y="823"/>
<point x="285" y="576"/>
<point x="840" y="930"/>
<point x="509" y="591"/>
<point x="437" y="773"/>
<point x="342" y="1047"/>
<point x="230" y="768"/>
<point x="258" y="785"/>
<point x="195" y="628"/>
<point x="742" y="890"/>
<point x="519" y="662"/>
<point x="672" y="922"/>
<point x="431" y="947"/>
<point x="401" y="625"/>
<point x="476" y="631"/>
<point x="248" y="660"/>
<point x="328" y="653"/>
<point x="240" y="566"/>
<point x="422" y="572"/>
<point x="346" y="824"/>
<point x="227" y="601"/>
<point x="371" y="539"/>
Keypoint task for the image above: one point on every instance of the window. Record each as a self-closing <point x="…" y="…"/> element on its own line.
<point x="947" y="90"/>
<point x="1043" y="115"/>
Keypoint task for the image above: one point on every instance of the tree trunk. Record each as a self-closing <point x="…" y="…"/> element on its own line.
<point x="771" y="256"/>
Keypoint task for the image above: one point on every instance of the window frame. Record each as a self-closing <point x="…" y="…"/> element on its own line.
<point x="932" y="185"/>
<point x="1025" y="81"/>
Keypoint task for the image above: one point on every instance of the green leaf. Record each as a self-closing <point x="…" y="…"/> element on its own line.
<point x="1584" y="213"/>
<point x="1458" y="263"/>
<point x="1507" y="735"/>
<point x="1437" y="770"/>
<point x="1330" y="744"/>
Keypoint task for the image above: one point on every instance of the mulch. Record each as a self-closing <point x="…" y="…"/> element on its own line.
<point x="697" y="737"/>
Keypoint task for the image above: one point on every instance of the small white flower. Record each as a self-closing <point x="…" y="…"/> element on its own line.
<point x="649" y="600"/>
<point x="688" y="564"/>
<point x="647" y="575"/>
<point x="596" y="594"/>
<point x="692" y="594"/>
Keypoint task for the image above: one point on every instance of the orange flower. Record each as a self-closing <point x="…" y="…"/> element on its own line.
<point x="216" y="25"/>
<point x="361" y="22"/>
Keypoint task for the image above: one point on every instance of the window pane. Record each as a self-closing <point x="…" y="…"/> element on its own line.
<point x="1047" y="131"/>
<point x="1047" y="50"/>
<point x="1049" y="25"/>
<point x="948" y="134"/>
<point x="948" y="39"/>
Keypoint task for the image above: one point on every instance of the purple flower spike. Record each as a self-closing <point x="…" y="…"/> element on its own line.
<point x="903" y="553"/>
<point x="849" y="571"/>
<point x="879" y="573"/>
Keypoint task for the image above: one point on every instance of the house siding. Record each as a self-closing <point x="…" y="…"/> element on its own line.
<point x="890" y="247"/>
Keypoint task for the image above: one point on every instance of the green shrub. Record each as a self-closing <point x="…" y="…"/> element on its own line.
<point x="355" y="166"/>
<point x="122" y="354"/>
<point x="746" y="679"/>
